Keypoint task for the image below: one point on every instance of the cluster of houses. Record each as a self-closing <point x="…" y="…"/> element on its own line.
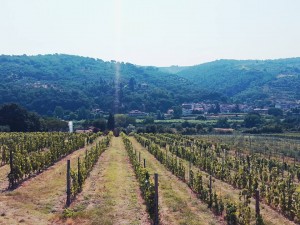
<point x="205" y="108"/>
<point x="192" y="109"/>
<point x="286" y="105"/>
<point x="223" y="108"/>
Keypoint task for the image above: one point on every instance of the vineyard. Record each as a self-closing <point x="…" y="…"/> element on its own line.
<point x="69" y="178"/>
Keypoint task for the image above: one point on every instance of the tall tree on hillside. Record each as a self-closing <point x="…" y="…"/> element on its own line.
<point x="111" y="122"/>
<point x="177" y="112"/>
<point x="58" y="112"/>
<point x="131" y="83"/>
<point x="217" y="107"/>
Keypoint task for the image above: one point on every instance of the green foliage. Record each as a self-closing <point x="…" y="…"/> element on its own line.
<point x="247" y="80"/>
<point x="85" y="166"/>
<point x="68" y="213"/>
<point x="76" y="85"/>
<point x="252" y="120"/>
<point x="100" y="124"/>
<point x="146" y="184"/>
<point x="111" y="122"/>
<point x="148" y="120"/>
<point x="51" y="124"/>
<point x="275" y="112"/>
<point x="18" y="119"/>
<point x="276" y="179"/>
<point x="31" y="153"/>
<point x="122" y="120"/>
<point x="231" y="216"/>
<point x="79" y="84"/>
<point x="177" y="112"/>
<point x="222" y="123"/>
<point x="259" y="220"/>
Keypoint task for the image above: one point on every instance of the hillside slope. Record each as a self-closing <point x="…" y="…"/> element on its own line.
<point x="42" y="82"/>
<point x="248" y="80"/>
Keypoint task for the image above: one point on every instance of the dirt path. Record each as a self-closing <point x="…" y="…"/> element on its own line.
<point x="4" y="170"/>
<point x="177" y="204"/>
<point x="111" y="194"/>
<point x="270" y="216"/>
<point x="39" y="198"/>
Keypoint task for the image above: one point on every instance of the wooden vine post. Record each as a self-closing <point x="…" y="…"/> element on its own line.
<point x="156" y="220"/>
<point x="144" y="163"/>
<point x="68" y="183"/>
<point x="190" y="168"/>
<point x="80" y="180"/>
<point x="12" y="180"/>
<point x="167" y="156"/>
<point x="210" y="192"/>
<point x="78" y="169"/>
<point x="257" y="209"/>
<point x="139" y="157"/>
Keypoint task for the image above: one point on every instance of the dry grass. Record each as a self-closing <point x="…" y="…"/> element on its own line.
<point x="4" y="170"/>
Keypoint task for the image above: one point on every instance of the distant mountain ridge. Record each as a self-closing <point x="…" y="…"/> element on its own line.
<point x="248" y="80"/>
<point x="43" y="82"/>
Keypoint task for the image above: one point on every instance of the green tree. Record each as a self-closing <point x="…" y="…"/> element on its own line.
<point x="177" y="112"/>
<point x="222" y="123"/>
<point x="111" y="122"/>
<point x="122" y="120"/>
<point x="148" y="120"/>
<point x="19" y="119"/>
<point x="58" y="112"/>
<point x="53" y="124"/>
<point x="252" y="120"/>
<point x="132" y="83"/>
<point x="83" y="113"/>
<point x="275" y="112"/>
<point x="100" y="124"/>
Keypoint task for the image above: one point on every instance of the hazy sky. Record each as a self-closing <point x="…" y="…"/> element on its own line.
<point x="152" y="32"/>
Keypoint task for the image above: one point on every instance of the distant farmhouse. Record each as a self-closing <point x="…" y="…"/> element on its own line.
<point x="204" y="108"/>
<point x="137" y="113"/>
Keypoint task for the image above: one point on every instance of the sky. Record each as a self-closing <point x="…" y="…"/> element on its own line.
<point x="152" y="32"/>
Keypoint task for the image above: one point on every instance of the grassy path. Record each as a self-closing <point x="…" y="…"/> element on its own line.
<point x="4" y="170"/>
<point x="111" y="194"/>
<point x="38" y="199"/>
<point x="178" y="205"/>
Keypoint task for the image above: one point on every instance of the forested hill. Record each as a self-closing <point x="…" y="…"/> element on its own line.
<point x="40" y="83"/>
<point x="247" y="80"/>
